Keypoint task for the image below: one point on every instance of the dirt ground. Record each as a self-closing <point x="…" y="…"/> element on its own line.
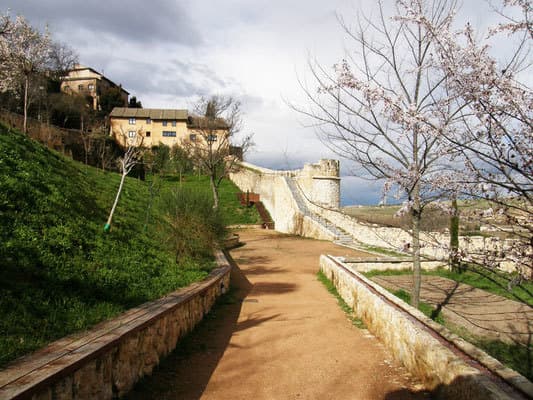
<point x="480" y="313"/>
<point x="279" y="335"/>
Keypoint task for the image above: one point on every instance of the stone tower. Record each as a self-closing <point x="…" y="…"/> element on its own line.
<point x="326" y="190"/>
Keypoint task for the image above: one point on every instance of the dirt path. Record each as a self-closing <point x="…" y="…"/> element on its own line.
<point x="279" y="335"/>
<point x="481" y="313"/>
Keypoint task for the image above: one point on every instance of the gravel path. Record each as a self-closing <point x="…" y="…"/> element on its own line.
<point x="279" y="335"/>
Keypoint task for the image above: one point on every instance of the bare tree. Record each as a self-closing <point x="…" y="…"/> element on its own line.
<point x="217" y="121"/>
<point x="62" y="58"/>
<point x="132" y="156"/>
<point x="386" y="105"/>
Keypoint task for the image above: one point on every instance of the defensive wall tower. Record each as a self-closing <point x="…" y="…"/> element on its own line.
<point x="320" y="183"/>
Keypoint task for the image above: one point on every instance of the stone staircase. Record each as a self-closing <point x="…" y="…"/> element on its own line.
<point x="341" y="236"/>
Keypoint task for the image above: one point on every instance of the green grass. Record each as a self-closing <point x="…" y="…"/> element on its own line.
<point x="518" y="357"/>
<point x="59" y="272"/>
<point x="426" y="309"/>
<point x="345" y="307"/>
<point x="515" y="356"/>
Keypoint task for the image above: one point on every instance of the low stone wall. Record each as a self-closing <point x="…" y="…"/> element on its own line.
<point x="106" y="361"/>
<point x="385" y="265"/>
<point x="448" y="365"/>
<point x="434" y="245"/>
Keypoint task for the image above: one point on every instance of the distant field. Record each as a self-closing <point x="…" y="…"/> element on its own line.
<point x="433" y="218"/>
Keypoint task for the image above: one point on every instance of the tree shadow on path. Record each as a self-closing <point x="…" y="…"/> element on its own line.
<point x="185" y="373"/>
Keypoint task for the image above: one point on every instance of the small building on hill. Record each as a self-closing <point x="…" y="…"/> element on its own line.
<point x="165" y="126"/>
<point x="89" y="82"/>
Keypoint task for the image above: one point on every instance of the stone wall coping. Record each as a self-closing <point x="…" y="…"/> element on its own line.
<point x="459" y="346"/>
<point x="328" y="177"/>
<point x="31" y="373"/>
<point x="263" y="170"/>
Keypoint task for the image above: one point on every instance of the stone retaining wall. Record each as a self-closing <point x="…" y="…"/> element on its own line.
<point x="106" y="361"/>
<point x="448" y="365"/>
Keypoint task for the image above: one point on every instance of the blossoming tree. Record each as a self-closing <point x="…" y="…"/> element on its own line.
<point x="24" y="52"/>
<point x="495" y="136"/>
<point x="387" y="104"/>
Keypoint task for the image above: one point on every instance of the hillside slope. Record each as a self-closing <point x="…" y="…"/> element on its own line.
<point x="59" y="272"/>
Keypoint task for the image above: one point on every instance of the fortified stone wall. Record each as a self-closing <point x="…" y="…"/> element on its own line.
<point x="319" y="185"/>
<point x="434" y="245"/>
<point x="279" y="201"/>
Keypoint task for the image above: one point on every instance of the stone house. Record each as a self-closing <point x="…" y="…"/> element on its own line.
<point x="88" y="82"/>
<point x="165" y="126"/>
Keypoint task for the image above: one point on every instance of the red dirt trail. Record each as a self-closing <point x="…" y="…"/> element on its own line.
<point x="279" y="334"/>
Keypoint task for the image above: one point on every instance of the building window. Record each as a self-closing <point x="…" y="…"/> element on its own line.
<point x="90" y="86"/>
<point x="212" y="138"/>
<point x="164" y="123"/>
<point x="169" y="133"/>
<point x="148" y="121"/>
<point x="148" y="133"/>
<point x="80" y="87"/>
<point x="192" y="137"/>
<point x="173" y="123"/>
<point x="131" y="134"/>
<point x="132" y="121"/>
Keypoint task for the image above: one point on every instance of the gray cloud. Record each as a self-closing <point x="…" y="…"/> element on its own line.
<point x="136" y="20"/>
<point x="177" y="78"/>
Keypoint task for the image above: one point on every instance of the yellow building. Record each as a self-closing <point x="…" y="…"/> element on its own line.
<point x="159" y="126"/>
<point x="88" y="82"/>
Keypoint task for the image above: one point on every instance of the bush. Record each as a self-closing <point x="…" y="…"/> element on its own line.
<point x="194" y="228"/>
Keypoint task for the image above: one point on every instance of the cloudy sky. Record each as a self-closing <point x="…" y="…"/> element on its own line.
<point x="169" y="52"/>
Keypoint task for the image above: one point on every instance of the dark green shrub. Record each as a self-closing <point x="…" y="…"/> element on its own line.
<point x="193" y="227"/>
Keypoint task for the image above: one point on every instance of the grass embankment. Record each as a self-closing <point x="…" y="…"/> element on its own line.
<point x="59" y="272"/>
<point x="516" y="356"/>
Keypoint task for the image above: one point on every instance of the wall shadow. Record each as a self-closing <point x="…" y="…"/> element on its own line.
<point x="185" y="373"/>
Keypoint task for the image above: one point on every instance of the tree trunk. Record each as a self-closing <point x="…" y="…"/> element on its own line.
<point x="417" y="216"/>
<point x="215" y="191"/>
<point x="107" y="226"/>
<point x="26" y="84"/>
<point x="454" y="237"/>
<point x="84" y="140"/>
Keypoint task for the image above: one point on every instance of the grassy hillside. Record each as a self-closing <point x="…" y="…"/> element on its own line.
<point x="59" y="272"/>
